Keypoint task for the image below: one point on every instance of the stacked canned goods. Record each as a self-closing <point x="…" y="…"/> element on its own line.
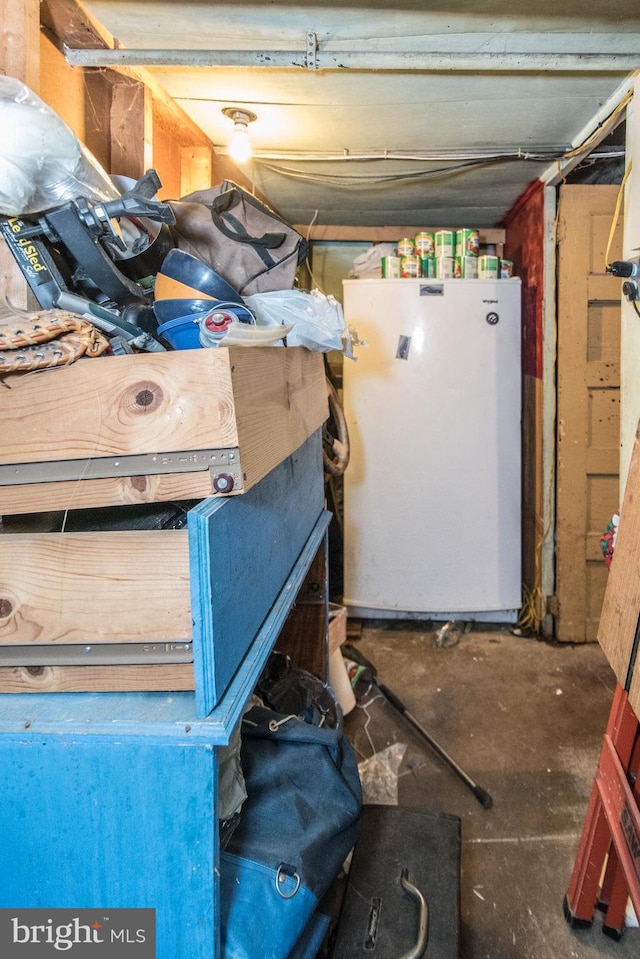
<point x="488" y="267"/>
<point x="444" y="254"/>
<point x="467" y="250"/>
<point x="445" y="247"/>
<point x="426" y="250"/>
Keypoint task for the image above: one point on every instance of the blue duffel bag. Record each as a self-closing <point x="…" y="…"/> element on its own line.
<point x="299" y="822"/>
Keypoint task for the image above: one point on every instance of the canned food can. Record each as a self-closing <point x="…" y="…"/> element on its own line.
<point x="445" y="267"/>
<point x="410" y="266"/>
<point x="445" y="243"/>
<point x="467" y="267"/>
<point x="405" y="246"/>
<point x="506" y="269"/>
<point x="467" y="242"/>
<point x="424" y="244"/>
<point x="428" y="266"/>
<point x="488" y="267"/>
<point x="390" y="267"/>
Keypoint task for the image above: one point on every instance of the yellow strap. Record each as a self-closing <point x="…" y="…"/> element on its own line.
<point x="616" y="214"/>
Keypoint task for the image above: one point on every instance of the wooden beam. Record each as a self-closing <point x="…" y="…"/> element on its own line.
<point x="131" y="129"/>
<point x="380" y="234"/>
<point x="20" y="41"/>
<point x="70" y="24"/>
<point x="19" y="58"/>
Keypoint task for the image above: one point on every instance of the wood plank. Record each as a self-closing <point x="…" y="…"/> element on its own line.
<point x="63" y="88"/>
<point x="70" y="23"/>
<point x="20" y="41"/>
<point x="19" y="58"/>
<point x="116" y="405"/>
<point x="532" y="532"/>
<point x="621" y="605"/>
<point x="101" y="587"/>
<point x="304" y="636"/>
<point x="269" y="402"/>
<point x="289" y="402"/>
<point x="118" y="491"/>
<point x="131" y="132"/>
<point x="96" y="679"/>
<point x="195" y="169"/>
<point x="378" y="234"/>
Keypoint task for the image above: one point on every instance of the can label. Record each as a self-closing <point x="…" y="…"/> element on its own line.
<point x="390" y="266"/>
<point x="488" y="267"/>
<point x="428" y="266"/>
<point x="445" y="267"/>
<point x="467" y="242"/>
<point x="424" y="244"/>
<point x="410" y="265"/>
<point x="506" y="269"/>
<point x="405" y="246"/>
<point x="445" y="243"/>
<point x="467" y="267"/>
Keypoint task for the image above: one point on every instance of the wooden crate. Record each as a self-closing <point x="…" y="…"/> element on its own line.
<point x="153" y="427"/>
<point x="223" y="586"/>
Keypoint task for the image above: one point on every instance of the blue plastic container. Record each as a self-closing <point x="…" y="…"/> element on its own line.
<point x="183" y="333"/>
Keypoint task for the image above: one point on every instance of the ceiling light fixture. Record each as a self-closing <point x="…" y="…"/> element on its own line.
<point x="240" y="144"/>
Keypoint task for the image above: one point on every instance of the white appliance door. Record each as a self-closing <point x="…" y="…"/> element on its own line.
<point x="432" y="492"/>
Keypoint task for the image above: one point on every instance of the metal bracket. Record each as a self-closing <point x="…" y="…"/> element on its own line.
<point x="100" y="654"/>
<point x="223" y="465"/>
<point x="311" y="60"/>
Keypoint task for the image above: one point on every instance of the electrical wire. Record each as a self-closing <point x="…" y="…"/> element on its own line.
<point x="367" y="180"/>
<point x="421" y="156"/>
<point x="463" y="160"/>
<point x="594" y="135"/>
<point x="616" y="213"/>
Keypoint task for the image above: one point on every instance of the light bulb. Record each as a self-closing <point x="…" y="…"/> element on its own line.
<point x="240" y="145"/>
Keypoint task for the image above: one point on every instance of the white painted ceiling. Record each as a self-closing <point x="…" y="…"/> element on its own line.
<point x="438" y="80"/>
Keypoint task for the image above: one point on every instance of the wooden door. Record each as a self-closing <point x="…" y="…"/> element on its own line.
<point x="588" y="420"/>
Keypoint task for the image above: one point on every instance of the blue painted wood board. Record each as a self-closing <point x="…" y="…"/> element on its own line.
<point x="127" y="824"/>
<point x="241" y="551"/>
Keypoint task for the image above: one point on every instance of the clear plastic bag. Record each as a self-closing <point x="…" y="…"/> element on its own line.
<point x="42" y="162"/>
<point x="318" y="320"/>
<point x="379" y="775"/>
<point x="369" y="264"/>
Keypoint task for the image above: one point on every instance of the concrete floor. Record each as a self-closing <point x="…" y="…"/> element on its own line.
<point x="525" y="720"/>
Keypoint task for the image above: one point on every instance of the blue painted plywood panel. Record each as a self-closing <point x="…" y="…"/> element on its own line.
<point x="114" y="825"/>
<point x="242" y="550"/>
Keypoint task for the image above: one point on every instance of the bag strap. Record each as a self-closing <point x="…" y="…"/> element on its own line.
<point x="232" y="228"/>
